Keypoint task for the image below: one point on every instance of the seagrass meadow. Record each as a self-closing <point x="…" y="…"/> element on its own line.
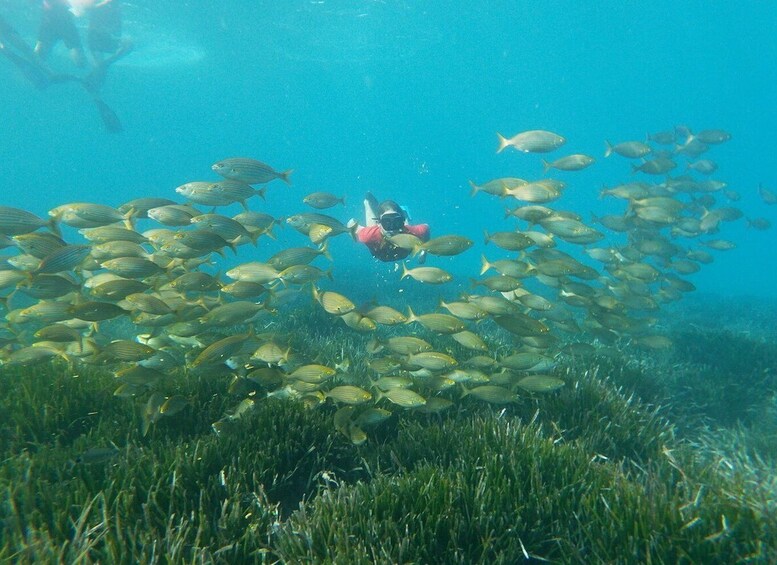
<point x="393" y="282"/>
<point x="164" y="405"/>
<point x="635" y="459"/>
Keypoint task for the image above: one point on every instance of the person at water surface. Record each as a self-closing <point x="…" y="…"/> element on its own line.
<point x="58" y="24"/>
<point x="105" y="41"/>
<point x="382" y="222"/>
<point x="104" y="34"/>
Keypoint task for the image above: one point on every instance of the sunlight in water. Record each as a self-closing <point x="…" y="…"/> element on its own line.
<point x="160" y="52"/>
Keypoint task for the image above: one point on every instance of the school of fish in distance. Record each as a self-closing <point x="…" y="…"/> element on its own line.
<point x="68" y="300"/>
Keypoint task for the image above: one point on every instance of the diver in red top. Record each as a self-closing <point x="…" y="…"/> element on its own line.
<point x="383" y="221"/>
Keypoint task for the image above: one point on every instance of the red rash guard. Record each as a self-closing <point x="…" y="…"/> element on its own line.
<point x="382" y="249"/>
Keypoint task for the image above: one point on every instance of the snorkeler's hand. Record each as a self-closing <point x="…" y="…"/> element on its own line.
<point x="353" y="227"/>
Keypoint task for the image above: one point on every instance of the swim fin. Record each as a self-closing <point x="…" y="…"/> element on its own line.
<point x="372" y="201"/>
<point x="110" y="119"/>
<point x="34" y="73"/>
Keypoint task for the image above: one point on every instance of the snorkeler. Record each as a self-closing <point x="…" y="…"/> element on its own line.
<point x="58" y="24"/>
<point x="104" y="37"/>
<point x="105" y="42"/>
<point x="28" y="61"/>
<point x="104" y="34"/>
<point x="381" y="222"/>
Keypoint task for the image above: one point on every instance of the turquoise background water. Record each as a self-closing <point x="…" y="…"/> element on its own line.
<point x="404" y="98"/>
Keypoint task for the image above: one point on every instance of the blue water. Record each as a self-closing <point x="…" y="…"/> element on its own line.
<point x="405" y="98"/>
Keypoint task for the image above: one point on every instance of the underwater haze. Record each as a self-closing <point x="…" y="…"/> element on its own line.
<point x="404" y="99"/>
<point x="201" y="360"/>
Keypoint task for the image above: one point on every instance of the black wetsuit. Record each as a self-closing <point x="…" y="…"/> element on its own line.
<point x="105" y="28"/>
<point x="58" y="24"/>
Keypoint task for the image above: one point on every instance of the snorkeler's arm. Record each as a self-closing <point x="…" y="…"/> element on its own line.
<point x="354" y="228"/>
<point x="421" y="231"/>
<point x="370" y="210"/>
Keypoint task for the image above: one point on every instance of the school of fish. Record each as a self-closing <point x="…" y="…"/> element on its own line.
<point x="145" y="268"/>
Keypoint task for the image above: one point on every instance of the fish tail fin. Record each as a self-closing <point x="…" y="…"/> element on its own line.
<point x="411" y="317"/>
<point x="485" y="265"/>
<point x="53" y="225"/>
<point x="503" y="142"/>
<point x="269" y="233"/>
<point x="284" y="176"/>
<point x="260" y="193"/>
<point x="475" y="189"/>
<point x="405" y="272"/>
<point x="545" y="166"/>
<point x="607" y="148"/>
<point x="129" y="219"/>
<point x="486" y="237"/>
<point x="254" y="236"/>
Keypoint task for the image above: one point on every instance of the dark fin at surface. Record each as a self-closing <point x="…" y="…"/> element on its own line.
<point x="34" y="73"/>
<point x="110" y="119"/>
